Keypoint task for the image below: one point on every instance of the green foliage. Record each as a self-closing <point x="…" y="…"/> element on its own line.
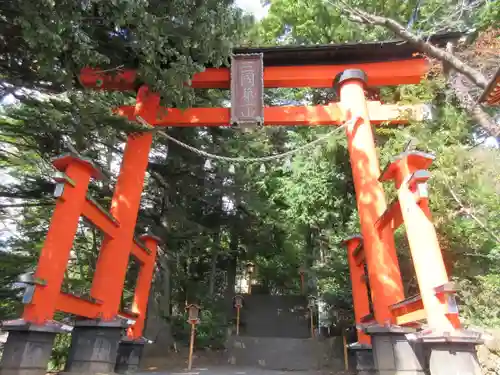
<point x="325" y="22"/>
<point x="211" y="332"/>
<point x="489" y="15"/>
<point x="60" y="352"/>
<point x="168" y="41"/>
<point x="477" y="293"/>
<point x="309" y="22"/>
<point x="11" y="266"/>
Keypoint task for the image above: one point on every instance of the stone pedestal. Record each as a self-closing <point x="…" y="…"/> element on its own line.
<point x="129" y="355"/>
<point x="363" y="354"/>
<point x="452" y="354"/>
<point x="394" y="354"/>
<point x="28" y="347"/>
<point x="94" y="346"/>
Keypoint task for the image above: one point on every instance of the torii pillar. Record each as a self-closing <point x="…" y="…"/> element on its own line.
<point x="383" y="269"/>
<point x="362" y="349"/>
<point x="95" y="342"/>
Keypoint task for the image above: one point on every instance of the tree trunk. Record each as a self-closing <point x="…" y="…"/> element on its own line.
<point x="213" y="268"/>
<point x="309" y="261"/>
<point x="475" y="111"/>
<point x="216" y="238"/>
<point x="165" y="291"/>
<point x="158" y="327"/>
<point x="232" y="264"/>
<point x="466" y="101"/>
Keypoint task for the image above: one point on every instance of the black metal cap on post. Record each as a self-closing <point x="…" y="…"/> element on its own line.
<point x="347" y="75"/>
<point x="152" y="236"/>
<point x="356" y="236"/>
<point x="62" y="162"/>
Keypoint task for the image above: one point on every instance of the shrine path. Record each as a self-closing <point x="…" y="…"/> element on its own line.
<point x="233" y="370"/>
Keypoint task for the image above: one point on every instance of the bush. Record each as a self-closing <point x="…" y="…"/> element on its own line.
<point x="210" y="332"/>
<point x="478" y="297"/>
<point x="60" y="352"/>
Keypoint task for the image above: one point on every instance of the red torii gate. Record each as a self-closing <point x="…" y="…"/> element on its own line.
<point x="375" y="248"/>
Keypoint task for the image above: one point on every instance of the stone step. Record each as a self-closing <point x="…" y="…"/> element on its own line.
<point x="286" y="354"/>
<point x="275" y="316"/>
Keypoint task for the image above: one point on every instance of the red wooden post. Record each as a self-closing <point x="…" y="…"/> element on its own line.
<point x="193" y="319"/>
<point x="383" y="268"/>
<point x="238" y="303"/>
<point x="113" y="258"/>
<point x="143" y="287"/>
<point x="404" y="165"/>
<point x="359" y="289"/>
<point x="59" y="241"/>
<point x="438" y="300"/>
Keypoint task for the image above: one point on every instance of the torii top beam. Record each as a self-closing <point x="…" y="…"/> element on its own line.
<point x="385" y="63"/>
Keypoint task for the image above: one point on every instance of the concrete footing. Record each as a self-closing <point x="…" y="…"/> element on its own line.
<point x="363" y="355"/>
<point x="28" y="347"/>
<point x="394" y="354"/>
<point x="129" y="355"/>
<point x="452" y="354"/>
<point x="452" y="358"/>
<point x="403" y="351"/>
<point x="94" y="346"/>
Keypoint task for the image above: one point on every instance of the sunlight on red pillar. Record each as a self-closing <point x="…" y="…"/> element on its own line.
<point x="114" y="255"/>
<point x="359" y="289"/>
<point x="142" y="288"/>
<point x="59" y="241"/>
<point x="383" y="268"/>
<point x="427" y="260"/>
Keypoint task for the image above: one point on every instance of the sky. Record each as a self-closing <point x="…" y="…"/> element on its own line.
<point x="252" y="6"/>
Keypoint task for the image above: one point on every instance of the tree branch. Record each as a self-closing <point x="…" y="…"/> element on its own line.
<point x="41" y="204"/>
<point x="361" y="16"/>
<point x="478" y="114"/>
<point x="468" y="211"/>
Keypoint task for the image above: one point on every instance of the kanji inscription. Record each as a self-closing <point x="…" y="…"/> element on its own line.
<point x="247" y="89"/>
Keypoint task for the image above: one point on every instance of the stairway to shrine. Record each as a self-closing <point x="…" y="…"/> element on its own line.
<point x="275" y="334"/>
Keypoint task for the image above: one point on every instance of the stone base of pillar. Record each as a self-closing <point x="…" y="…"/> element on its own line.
<point x="28" y="347"/>
<point x="365" y="364"/>
<point x="129" y="355"/>
<point x="452" y="354"/>
<point x="94" y="346"/>
<point x="394" y="354"/>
